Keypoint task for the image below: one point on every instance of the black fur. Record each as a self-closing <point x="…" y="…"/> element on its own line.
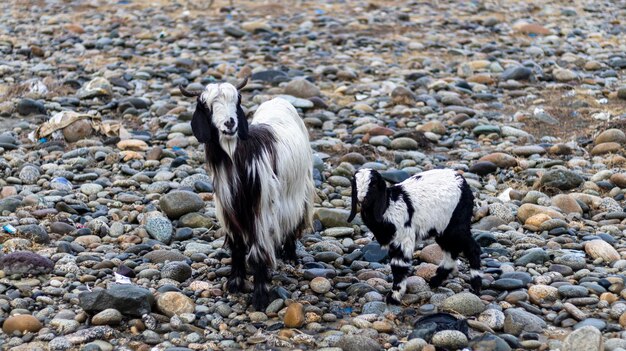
<point x="253" y="142"/>
<point x="455" y="239"/>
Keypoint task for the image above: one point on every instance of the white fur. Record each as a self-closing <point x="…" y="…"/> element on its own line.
<point x="398" y="294"/>
<point x="434" y="195"/>
<point x="475" y="273"/>
<point x="448" y="262"/>
<point x="362" y="183"/>
<point x="285" y="198"/>
<point x="222" y="100"/>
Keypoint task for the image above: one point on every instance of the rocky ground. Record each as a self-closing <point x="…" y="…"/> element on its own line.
<point x="116" y="243"/>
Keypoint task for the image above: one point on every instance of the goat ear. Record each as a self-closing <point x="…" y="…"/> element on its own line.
<point x="201" y="123"/>
<point x="242" y="122"/>
<point x="380" y="205"/>
<point x="354" y="201"/>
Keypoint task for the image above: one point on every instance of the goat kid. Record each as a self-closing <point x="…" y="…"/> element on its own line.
<point x="435" y="203"/>
<point x="262" y="176"/>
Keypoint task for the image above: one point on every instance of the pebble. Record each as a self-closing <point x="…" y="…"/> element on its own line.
<point x="536" y="130"/>
<point x="109" y="316"/>
<point x="21" y="323"/>
<point x="174" y="303"/>
<point x="294" y="317"/>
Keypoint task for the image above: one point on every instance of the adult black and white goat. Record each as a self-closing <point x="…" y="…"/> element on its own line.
<point x="435" y="203"/>
<point x="262" y="176"/>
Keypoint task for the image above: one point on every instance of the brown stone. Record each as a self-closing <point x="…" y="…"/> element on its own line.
<point x="433" y="126"/>
<point x="88" y="240"/>
<point x="528" y="210"/>
<point x="531" y="28"/>
<point x="426" y="270"/>
<point x="611" y="135"/>
<point x="481" y="78"/>
<point x="619" y="179"/>
<point x="8" y="191"/>
<point x="132" y="144"/>
<point x="606" y="148"/>
<point x="154" y="154"/>
<point x="381" y="131"/>
<point x="500" y="159"/>
<point x="431" y="254"/>
<point x="560" y="149"/>
<point x="567" y="204"/>
<point x="609" y="297"/>
<point x="536" y="220"/>
<point x="78" y="130"/>
<point x="622" y="320"/>
<point x="294" y="318"/>
<point x="479" y="64"/>
<point x="75" y="28"/>
<point x="174" y="303"/>
<point x="542" y="294"/>
<point x="601" y="249"/>
<point x="402" y="96"/>
<point x="382" y="327"/>
<point x="21" y="323"/>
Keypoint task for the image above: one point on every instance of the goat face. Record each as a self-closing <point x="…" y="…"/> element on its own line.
<point x="218" y="116"/>
<point x="369" y="189"/>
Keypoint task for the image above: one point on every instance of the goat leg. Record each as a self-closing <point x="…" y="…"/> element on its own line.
<point x="237" y="279"/>
<point x="400" y="266"/>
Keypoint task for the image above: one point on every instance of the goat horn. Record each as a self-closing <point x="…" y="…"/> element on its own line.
<point x="189" y="93"/>
<point x="243" y="83"/>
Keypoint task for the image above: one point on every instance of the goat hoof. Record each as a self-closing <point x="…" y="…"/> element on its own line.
<point x="235" y="285"/>
<point x="476" y="284"/>
<point x="260" y="300"/>
<point x="391" y="300"/>
<point x="435" y="283"/>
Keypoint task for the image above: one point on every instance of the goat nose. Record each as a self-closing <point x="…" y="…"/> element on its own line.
<point x="230" y="123"/>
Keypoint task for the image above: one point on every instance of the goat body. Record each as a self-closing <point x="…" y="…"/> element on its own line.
<point x="262" y="176"/>
<point x="435" y="203"/>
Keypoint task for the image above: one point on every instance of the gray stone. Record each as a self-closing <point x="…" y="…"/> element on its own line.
<point x="179" y="271"/>
<point x="25" y="262"/>
<point x="358" y="343"/>
<point x="29" y="174"/>
<point x="10" y="204"/>
<point x="160" y="256"/>
<point x="302" y="88"/>
<point x="561" y="179"/>
<point x="160" y="228"/>
<point x="34" y="232"/>
<point x="129" y="299"/>
<point x="464" y="303"/>
<point x="449" y="339"/>
<point x="584" y="339"/>
<point x="518" y="320"/>
<point x="178" y="203"/>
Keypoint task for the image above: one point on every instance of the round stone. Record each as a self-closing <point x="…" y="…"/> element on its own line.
<point x="320" y="285"/>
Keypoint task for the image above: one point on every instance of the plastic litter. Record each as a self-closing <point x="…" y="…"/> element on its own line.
<point x="9" y="229"/>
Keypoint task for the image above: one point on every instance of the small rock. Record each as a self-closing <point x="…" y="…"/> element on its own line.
<point x="302" y="88"/>
<point x="21" y="323"/>
<point x="178" y="203"/>
<point x="449" y="339"/>
<point x="584" y="339"/>
<point x="110" y="316"/>
<point x="320" y="285"/>
<point x="174" y="303"/>
<point x="358" y="343"/>
<point x="294" y="317"/>
<point x="601" y="249"/>
<point x="464" y="303"/>
<point x="178" y="271"/>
